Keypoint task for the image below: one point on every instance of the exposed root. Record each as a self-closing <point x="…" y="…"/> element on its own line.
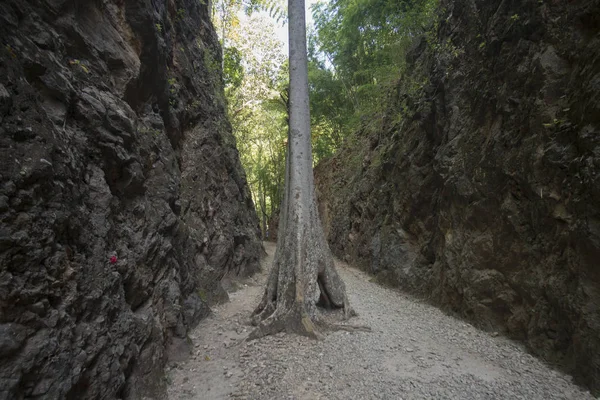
<point x="279" y="312"/>
<point x="301" y="325"/>
<point x="349" y="311"/>
<point x="270" y="326"/>
<point x="263" y="313"/>
<point x="294" y="321"/>
<point x="349" y="328"/>
<point x="303" y="280"/>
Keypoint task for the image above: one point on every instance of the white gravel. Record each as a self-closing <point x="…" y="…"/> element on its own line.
<point x="414" y="351"/>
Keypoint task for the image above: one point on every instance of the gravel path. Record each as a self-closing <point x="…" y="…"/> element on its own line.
<point x="413" y="352"/>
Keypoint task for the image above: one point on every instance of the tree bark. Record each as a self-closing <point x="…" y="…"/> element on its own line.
<point x="303" y="279"/>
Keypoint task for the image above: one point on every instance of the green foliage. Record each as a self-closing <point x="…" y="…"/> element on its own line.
<point x="331" y="109"/>
<point x="193" y="106"/>
<point x="357" y="55"/>
<point x="149" y="131"/>
<point x="233" y="70"/>
<point x="10" y="51"/>
<point x="80" y="64"/>
<point x="158" y="27"/>
<point x="211" y="63"/>
<point x="255" y="76"/>
<point x="275" y="9"/>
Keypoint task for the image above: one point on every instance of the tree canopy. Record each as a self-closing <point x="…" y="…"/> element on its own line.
<point x="357" y="54"/>
<point x="356" y="51"/>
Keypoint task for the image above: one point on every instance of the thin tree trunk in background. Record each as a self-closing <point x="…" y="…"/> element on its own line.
<point x="303" y="278"/>
<point x="263" y="206"/>
<point x="265" y="216"/>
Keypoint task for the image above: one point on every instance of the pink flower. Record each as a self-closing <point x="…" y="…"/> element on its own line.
<point x="113" y="259"/>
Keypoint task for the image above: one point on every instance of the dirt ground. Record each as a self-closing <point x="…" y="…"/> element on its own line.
<point x="414" y="351"/>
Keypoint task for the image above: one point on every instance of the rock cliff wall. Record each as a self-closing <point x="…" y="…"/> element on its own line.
<point x="122" y="199"/>
<point x="480" y="189"/>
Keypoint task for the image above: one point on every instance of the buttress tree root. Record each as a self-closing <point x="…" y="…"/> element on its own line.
<point x="303" y="280"/>
<point x="302" y="285"/>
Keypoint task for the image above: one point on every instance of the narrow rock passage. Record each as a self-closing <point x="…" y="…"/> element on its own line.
<point x="414" y="352"/>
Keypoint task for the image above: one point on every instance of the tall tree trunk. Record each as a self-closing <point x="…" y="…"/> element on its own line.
<point x="303" y="278"/>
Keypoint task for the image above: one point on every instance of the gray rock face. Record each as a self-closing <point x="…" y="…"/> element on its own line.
<point x="481" y="189"/>
<point x="122" y="200"/>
